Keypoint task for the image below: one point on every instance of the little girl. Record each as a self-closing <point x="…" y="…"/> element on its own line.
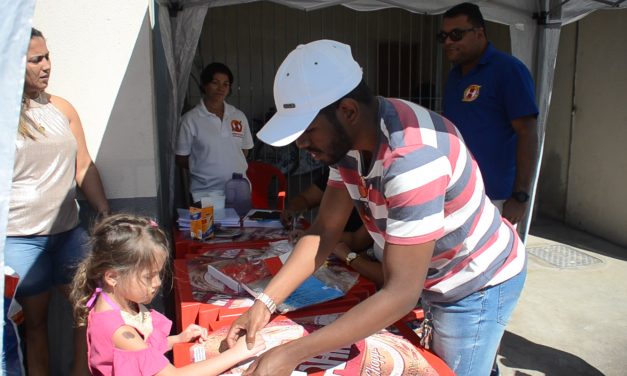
<point x="122" y="272"/>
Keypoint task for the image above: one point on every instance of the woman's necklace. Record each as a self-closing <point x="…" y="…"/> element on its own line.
<point x="35" y="124"/>
<point x="40" y="128"/>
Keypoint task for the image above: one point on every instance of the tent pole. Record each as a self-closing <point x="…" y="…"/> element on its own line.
<point x="547" y="42"/>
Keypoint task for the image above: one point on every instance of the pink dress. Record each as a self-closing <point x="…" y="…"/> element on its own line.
<point x="106" y="360"/>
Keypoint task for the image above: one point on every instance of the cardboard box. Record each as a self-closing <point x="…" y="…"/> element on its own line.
<point x="201" y="222"/>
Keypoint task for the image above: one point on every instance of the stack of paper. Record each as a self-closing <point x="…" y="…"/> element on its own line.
<point x="227" y="218"/>
<point x="222" y="217"/>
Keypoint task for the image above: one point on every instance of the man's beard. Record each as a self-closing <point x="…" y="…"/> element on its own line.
<point x="341" y="143"/>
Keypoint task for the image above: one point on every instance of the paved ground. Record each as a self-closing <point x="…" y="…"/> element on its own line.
<point x="570" y="321"/>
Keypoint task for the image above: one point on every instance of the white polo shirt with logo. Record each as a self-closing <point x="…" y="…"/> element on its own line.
<point x="214" y="146"/>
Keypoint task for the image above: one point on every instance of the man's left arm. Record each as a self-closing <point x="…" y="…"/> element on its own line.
<point x="526" y="129"/>
<point x="405" y="269"/>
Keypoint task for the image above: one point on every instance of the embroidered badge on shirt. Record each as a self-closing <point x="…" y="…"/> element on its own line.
<point x="471" y="93"/>
<point x="236" y="126"/>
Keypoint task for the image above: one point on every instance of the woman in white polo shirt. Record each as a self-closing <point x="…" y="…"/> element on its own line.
<point x="214" y="137"/>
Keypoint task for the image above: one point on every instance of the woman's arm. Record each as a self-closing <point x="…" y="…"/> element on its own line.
<point x="87" y="176"/>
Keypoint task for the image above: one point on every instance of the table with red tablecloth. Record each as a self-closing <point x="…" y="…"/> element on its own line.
<point x="219" y="312"/>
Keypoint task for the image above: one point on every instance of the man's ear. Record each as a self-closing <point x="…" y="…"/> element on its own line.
<point x="349" y="110"/>
<point x="482" y="31"/>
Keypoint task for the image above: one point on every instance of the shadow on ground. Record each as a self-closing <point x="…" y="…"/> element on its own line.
<point x="518" y="352"/>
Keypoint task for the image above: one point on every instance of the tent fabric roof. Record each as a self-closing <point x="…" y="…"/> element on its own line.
<point x="509" y="12"/>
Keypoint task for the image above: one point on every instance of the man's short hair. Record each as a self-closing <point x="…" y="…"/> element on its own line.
<point x="361" y="93"/>
<point x="469" y="10"/>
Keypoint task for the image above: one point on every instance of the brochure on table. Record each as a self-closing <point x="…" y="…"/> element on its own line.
<point x="249" y="271"/>
<point x="263" y="218"/>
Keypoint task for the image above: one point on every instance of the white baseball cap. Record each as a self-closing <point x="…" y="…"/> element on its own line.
<point x="311" y="77"/>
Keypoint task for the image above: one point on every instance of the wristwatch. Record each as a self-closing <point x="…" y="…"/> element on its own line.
<point x="350" y="257"/>
<point x="520" y="196"/>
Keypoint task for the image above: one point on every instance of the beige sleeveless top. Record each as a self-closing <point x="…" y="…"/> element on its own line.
<point x="43" y="193"/>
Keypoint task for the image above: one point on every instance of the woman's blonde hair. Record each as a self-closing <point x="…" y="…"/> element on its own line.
<point x="27" y="124"/>
<point x="125" y="243"/>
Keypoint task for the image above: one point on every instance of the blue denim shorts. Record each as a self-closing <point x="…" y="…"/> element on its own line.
<point x="467" y="333"/>
<point x="46" y="260"/>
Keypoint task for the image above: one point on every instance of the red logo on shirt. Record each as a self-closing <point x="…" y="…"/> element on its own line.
<point x="471" y="93"/>
<point x="236" y="126"/>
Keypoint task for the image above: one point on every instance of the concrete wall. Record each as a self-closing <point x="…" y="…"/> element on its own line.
<point x="583" y="173"/>
<point x="102" y="63"/>
<point x="596" y="200"/>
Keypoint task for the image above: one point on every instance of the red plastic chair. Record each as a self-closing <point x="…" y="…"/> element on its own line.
<point x="261" y="176"/>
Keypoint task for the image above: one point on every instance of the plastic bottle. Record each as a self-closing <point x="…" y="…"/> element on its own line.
<point x="237" y="194"/>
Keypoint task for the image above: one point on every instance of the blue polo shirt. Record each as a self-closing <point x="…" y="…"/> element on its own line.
<point x="482" y="105"/>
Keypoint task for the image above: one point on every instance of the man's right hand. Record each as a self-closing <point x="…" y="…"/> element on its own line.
<point x="248" y="324"/>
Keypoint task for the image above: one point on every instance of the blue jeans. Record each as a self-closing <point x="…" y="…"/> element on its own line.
<point x="467" y="333"/>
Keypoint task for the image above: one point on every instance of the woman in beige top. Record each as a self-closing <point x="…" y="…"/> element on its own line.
<point x="44" y="241"/>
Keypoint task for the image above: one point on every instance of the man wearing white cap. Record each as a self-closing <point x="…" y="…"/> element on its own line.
<point x="421" y="196"/>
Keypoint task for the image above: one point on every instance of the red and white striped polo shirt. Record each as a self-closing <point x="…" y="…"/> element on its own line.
<point x="424" y="185"/>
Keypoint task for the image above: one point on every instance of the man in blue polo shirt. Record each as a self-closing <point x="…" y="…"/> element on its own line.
<point x="490" y="97"/>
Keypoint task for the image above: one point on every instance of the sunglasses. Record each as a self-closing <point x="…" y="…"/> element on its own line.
<point x="456" y="34"/>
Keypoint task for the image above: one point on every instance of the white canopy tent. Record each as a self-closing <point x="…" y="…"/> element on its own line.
<point x="534" y="30"/>
<point x="14" y="36"/>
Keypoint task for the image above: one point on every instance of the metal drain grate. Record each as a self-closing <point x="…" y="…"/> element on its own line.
<point x="563" y="256"/>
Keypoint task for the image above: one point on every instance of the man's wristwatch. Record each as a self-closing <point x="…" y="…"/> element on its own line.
<point x="520" y="196"/>
<point x="350" y="257"/>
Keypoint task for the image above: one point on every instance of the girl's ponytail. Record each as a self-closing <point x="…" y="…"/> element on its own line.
<point x="80" y="294"/>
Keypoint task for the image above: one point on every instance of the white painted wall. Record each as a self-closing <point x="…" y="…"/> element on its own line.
<point x="102" y="63"/>
<point x="583" y="170"/>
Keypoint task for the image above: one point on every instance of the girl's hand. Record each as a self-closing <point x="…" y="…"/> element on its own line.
<point x="193" y="332"/>
<point x="242" y="348"/>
